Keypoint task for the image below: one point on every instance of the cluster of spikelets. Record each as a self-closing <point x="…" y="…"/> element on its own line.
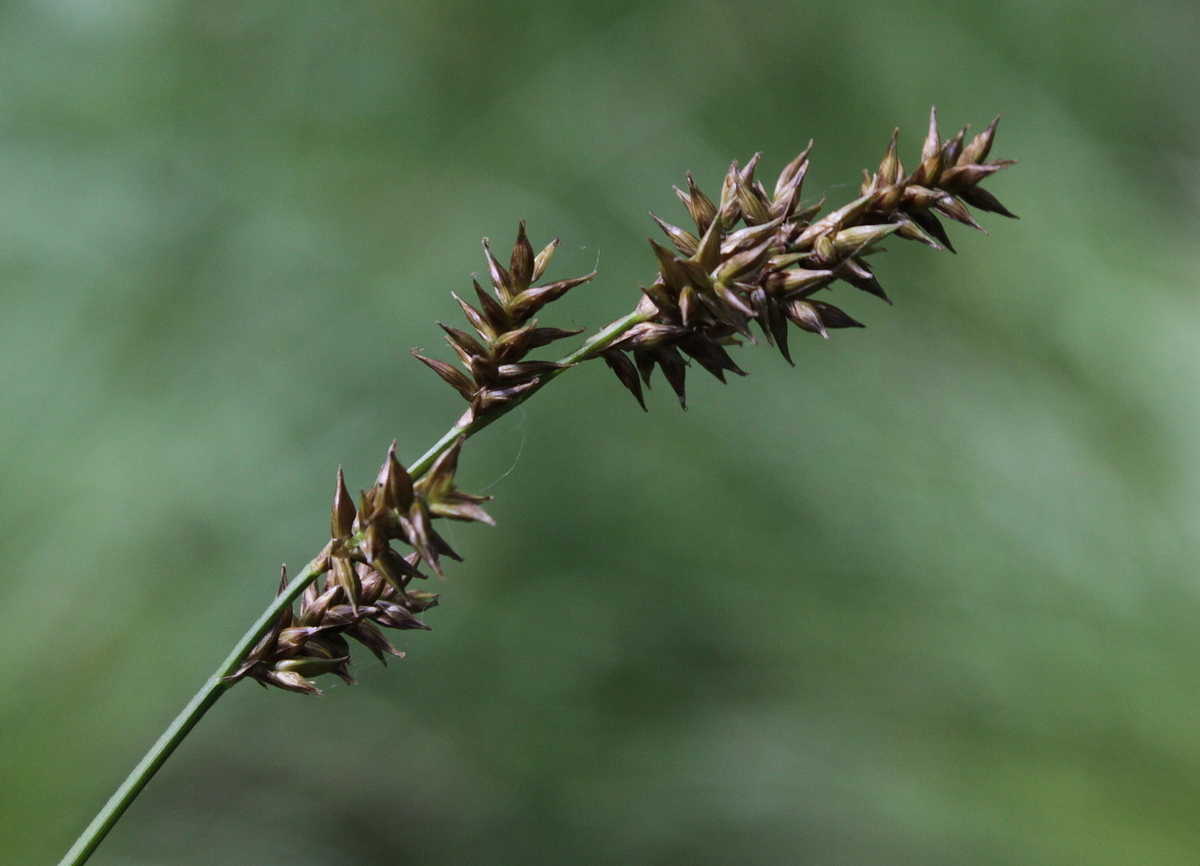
<point x="720" y="278"/>
<point x="365" y="582"/>
<point x="507" y="331"/>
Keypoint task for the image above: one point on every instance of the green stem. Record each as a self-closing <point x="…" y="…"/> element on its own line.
<point x="217" y="684"/>
<point x="183" y="724"/>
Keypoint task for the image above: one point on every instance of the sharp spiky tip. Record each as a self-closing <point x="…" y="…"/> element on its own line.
<point x="344" y="511"/>
<point x="501" y="279"/>
<point x="932" y="135"/>
<point x="521" y="265"/>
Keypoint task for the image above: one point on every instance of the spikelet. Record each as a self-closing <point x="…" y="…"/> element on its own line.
<point x="496" y="370"/>
<point x="364" y="583"/>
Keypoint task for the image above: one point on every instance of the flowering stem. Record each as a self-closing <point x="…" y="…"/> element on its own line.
<point x="218" y="683"/>
<point x="722" y="280"/>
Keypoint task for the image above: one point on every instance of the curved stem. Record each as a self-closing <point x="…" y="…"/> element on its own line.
<point x="147" y="767"/>
<point x="217" y="684"/>
<point x="183" y="724"/>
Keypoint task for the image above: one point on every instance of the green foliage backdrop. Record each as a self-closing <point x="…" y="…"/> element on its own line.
<point x="929" y="598"/>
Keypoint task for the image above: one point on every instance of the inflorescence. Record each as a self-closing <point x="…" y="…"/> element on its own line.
<point x="753" y="257"/>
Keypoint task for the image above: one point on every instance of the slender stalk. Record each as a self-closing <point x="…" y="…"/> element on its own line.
<point x="200" y="704"/>
<point x="217" y="684"/>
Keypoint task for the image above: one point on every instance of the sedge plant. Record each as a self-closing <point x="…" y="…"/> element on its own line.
<point x="753" y="264"/>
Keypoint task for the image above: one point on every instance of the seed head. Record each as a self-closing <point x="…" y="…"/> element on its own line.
<point x="723" y="276"/>
<point x="753" y="257"/>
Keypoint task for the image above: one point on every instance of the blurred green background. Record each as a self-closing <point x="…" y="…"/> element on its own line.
<point x="929" y="598"/>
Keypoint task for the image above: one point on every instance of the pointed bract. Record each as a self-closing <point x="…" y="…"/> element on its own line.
<point x="981" y="145"/>
<point x="684" y="241"/>
<point x="462" y="340"/>
<point x="543" y="259"/>
<point x="521" y="266"/>
<point x="476" y="318"/>
<point x="795" y="168"/>
<point x="620" y="364"/>
<point x="890" y="169"/>
<point x="930" y="168"/>
<point x="834" y="317"/>
<point x="342" y="521"/>
<point x="455" y="378"/>
<point x="984" y="200"/>
<point x="501" y="279"/>
<point x="699" y="206"/>
<point x="394" y="482"/>
<point x="496" y="317"/>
